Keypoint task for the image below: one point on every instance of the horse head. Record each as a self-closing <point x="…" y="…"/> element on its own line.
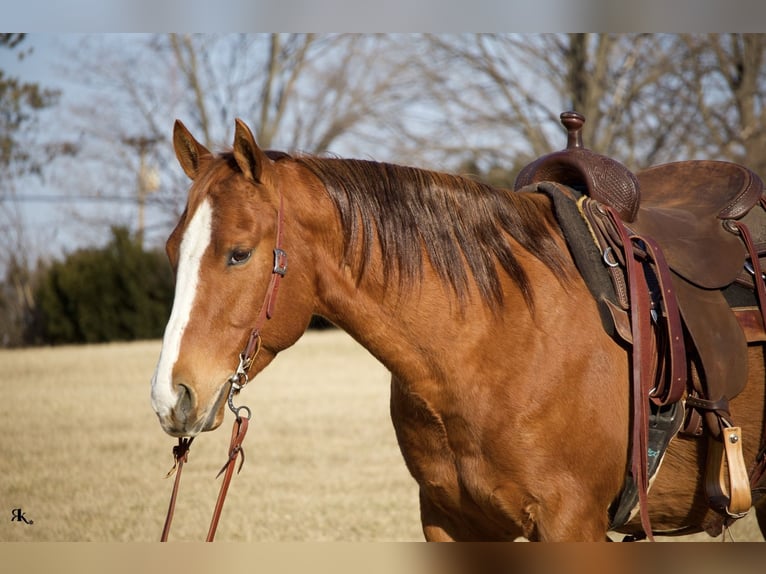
<point x="225" y="250"/>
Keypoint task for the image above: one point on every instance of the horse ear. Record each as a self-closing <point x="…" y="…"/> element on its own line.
<point x="249" y="157"/>
<point x="188" y="150"/>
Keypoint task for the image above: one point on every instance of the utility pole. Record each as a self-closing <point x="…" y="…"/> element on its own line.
<point x="148" y="180"/>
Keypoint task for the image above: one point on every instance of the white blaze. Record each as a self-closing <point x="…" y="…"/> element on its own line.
<point x="193" y="246"/>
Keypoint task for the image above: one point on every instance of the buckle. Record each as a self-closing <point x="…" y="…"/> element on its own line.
<point x="750" y="269"/>
<point x="280" y="262"/>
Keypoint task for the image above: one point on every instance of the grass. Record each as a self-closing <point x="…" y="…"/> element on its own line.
<point x="84" y="457"/>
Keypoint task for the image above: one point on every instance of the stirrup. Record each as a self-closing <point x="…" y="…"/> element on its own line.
<point x="734" y="500"/>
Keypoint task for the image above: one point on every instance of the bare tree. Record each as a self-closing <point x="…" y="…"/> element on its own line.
<point x="502" y="94"/>
<point x="22" y="158"/>
<point x="445" y="101"/>
<point x="326" y="93"/>
<point x="20" y="105"/>
<point x="729" y="94"/>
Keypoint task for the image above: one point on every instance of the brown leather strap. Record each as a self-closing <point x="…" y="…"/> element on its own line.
<point x="750" y="320"/>
<point x="253" y="344"/>
<point x="181" y="453"/>
<point x="235" y="450"/>
<point x="180" y="456"/>
<point x="664" y="366"/>
<point x="279" y="269"/>
<point x="642" y="381"/>
<point x="722" y="404"/>
<point x="760" y="289"/>
<point x="759" y="468"/>
<point x="672" y="383"/>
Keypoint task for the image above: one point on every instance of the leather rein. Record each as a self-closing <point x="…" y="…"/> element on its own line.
<point x="237" y="381"/>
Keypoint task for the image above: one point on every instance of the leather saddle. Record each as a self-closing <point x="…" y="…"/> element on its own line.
<point x="682" y="205"/>
<point x="684" y="222"/>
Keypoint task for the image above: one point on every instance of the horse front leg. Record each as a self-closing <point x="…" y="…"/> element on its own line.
<point x="572" y="519"/>
<point x="437" y="525"/>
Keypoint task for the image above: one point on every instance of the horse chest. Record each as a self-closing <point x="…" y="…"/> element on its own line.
<point x="443" y="455"/>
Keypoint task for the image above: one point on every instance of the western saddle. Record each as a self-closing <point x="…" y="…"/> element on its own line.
<point x="675" y="240"/>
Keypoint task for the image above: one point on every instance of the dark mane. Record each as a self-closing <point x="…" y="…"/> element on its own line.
<point x="460" y="223"/>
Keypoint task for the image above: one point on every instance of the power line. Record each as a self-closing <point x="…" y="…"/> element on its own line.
<point x="79" y="198"/>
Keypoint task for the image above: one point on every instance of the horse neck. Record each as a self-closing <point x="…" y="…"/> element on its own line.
<point x="411" y="330"/>
<point x="388" y="321"/>
<point x="414" y="324"/>
<point x="379" y="314"/>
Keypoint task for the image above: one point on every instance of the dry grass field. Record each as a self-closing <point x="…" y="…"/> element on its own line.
<point x="84" y="458"/>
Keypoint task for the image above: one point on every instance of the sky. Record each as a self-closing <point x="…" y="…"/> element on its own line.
<point x="37" y="67"/>
<point x="53" y="24"/>
<point x="53" y="225"/>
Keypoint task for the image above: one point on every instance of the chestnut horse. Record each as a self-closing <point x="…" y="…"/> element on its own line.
<point x="509" y="400"/>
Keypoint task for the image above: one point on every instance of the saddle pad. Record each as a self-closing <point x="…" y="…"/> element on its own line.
<point x="582" y="247"/>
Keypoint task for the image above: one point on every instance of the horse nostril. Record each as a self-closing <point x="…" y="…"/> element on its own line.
<point x="185" y="404"/>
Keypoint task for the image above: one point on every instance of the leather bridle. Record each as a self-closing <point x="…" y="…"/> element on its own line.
<point x="253" y="345"/>
<point x="237" y="380"/>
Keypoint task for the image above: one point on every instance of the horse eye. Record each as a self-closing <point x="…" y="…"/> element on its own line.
<point x="239" y="256"/>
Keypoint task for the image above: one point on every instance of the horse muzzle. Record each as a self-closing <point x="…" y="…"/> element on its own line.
<point x="187" y="416"/>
